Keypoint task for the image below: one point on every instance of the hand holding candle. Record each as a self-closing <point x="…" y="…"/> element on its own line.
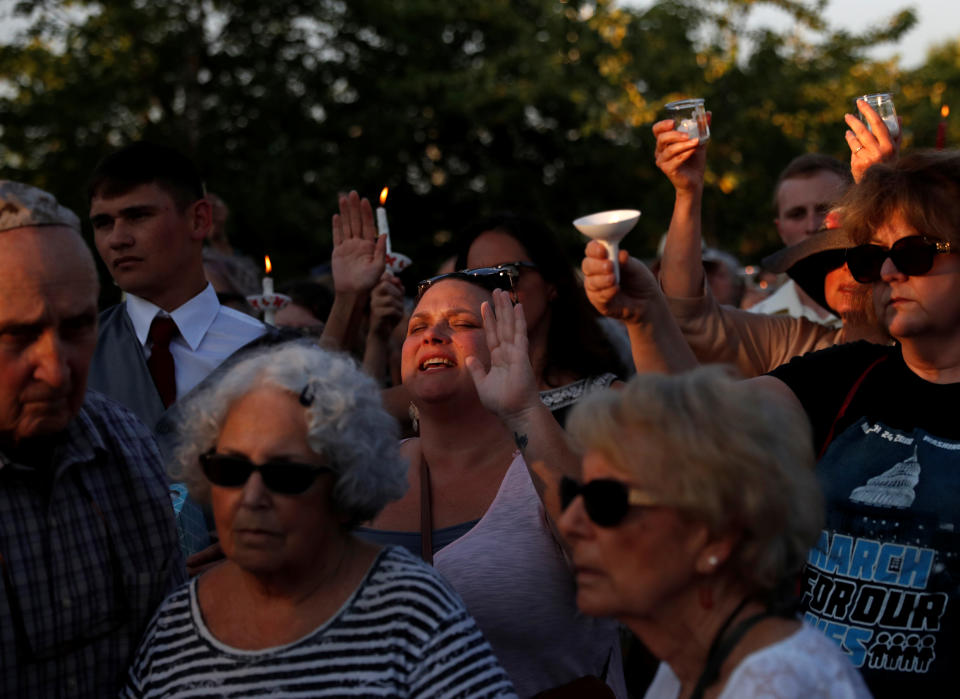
<point x="882" y="104"/>
<point x="690" y="117"/>
<point x="609" y="228"/>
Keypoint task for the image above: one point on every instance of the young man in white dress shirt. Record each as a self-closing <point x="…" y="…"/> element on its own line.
<point x="150" y="217"/>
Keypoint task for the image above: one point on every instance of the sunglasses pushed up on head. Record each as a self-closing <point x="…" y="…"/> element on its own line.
<point x="281" y="477"/>
<point x="606" y="501"/>
<point x="913" y="256"/>
<point x="503" y="276"/>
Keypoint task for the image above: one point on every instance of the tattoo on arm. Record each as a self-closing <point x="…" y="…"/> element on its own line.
<point x="520" y="440"/>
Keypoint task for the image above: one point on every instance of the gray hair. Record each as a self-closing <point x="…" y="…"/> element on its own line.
<point x="346" y="423"/>
<point x="737" y="457"/>
<point x="23" y="206"/>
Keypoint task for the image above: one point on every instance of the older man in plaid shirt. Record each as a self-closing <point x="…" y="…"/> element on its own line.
<point x="88" y="547"/>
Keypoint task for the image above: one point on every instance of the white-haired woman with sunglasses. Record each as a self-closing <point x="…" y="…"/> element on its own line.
<point x="293" y="449"/>
<point x="882" y="577"/>
<point x="690" y="530"/>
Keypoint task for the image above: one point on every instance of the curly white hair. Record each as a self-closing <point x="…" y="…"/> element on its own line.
<point x="346" y="423"/>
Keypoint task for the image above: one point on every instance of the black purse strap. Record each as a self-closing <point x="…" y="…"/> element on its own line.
<point x="722" y="644"/>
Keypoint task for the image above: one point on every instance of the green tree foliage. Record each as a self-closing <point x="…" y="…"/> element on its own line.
<point x="461" y="107"/>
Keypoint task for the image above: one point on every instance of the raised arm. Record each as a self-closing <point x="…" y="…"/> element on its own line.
<point x="509" y="390"/>
<point x="655" y="338"/>
<point x="357" y="263"/>
<point x="683" y="160"/>
<point x="386" y="311"/>
<point x="869" y="146"/>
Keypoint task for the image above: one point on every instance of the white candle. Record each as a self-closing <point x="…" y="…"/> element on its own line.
<point x="383" y="228"/>
<point x="690" y="127"/>
<point x="268" y="312"/>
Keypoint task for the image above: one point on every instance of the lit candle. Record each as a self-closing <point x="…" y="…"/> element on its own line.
<point x="383" y="228"/>
<point x="942" y="127"/>
<point x="268" y="311"/>
<point x="690" y="127"/>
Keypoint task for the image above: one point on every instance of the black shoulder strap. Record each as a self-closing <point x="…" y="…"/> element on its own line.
<point x="722" y="644"/>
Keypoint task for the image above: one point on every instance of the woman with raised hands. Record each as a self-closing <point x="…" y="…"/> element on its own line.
<point x="473" y="505"/>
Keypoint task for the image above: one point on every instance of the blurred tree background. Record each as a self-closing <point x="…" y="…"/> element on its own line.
<point x="461" y="107"/>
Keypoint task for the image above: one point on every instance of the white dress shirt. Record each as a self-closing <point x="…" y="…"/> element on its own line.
<point x="209" y="333"/>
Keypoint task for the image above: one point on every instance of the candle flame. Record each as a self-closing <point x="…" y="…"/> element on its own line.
<point x="383" y="195"/>
<point x="266" y="263"/>
<point x="944" y="111"/>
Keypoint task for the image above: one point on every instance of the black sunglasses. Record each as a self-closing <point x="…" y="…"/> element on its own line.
<point x="606" y="501"/>
<point x="912" y="255"/>
<point x="503" y="276"/>
<point x="283" y="477"/>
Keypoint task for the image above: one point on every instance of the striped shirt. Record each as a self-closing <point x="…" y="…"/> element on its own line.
<point x="88" y="550"/>
<point x="404" y="632"/>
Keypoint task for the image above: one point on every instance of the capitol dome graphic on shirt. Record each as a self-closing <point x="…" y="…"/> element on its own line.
<point x="892" y="488"/>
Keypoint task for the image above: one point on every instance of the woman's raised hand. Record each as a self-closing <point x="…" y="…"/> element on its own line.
<point x="869" y="146"/>
<point x="627" y="302"/>
<point x="679" y="157"/>
<point x="386" y="306"/>
<point x="508" y="387"/>
<point x="359" y="254"/>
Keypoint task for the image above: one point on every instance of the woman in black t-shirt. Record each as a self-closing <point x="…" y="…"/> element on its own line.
<point x="884" y="578"/>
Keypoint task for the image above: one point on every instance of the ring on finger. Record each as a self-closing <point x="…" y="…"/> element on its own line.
<point x="858" y="149"/>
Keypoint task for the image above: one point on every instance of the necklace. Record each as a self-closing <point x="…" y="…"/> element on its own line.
<point x="723" y="643"/>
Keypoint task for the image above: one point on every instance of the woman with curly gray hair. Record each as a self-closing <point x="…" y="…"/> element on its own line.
<point x="698" y="506"/>
<point x="293" y="449"/>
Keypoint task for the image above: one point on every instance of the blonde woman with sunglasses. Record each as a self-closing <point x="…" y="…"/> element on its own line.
<point x="690" y="530"/>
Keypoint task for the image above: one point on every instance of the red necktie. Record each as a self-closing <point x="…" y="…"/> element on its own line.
<point x="162" y="330"/>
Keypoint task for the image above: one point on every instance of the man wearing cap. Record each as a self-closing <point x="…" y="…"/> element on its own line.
<point x="754" y="343"/>
<point x="88" y="547"/>
<point x="150" y="218"/>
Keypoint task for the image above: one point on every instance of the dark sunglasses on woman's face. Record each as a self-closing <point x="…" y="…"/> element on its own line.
<point x="282" y="477"/>
<point x="912" y="255"/>
<point x="503" y="276"/>
<point x="606" y="501"/>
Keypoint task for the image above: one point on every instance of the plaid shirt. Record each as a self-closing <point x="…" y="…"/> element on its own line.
<point x="89" y="550"/>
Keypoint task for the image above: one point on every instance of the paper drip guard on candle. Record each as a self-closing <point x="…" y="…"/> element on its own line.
<point x="264" y="302"/>
<point x="397" y="262"/>
<point x="609" y="228"/>
<point x="269" y="302"/>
